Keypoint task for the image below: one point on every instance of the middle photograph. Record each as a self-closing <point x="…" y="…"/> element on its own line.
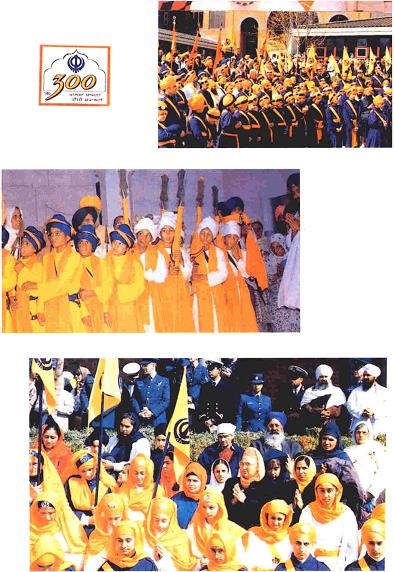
<point x="151" y="251"/>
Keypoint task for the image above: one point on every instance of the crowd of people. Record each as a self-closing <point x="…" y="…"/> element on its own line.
<point x="296" y="101"/>
<point x="269" y="505"/>
<point x="66" y="277"/>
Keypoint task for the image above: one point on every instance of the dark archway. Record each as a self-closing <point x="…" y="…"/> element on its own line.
<point x="338" y="18"/>
<point x="249" y="37"/>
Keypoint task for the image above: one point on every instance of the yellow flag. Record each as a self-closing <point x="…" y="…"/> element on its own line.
<point x="371" y="64"/>
<point x="105" y="382"/>
<point x="387" y="59"/>
<point x="345" y="60"/>
<point x="334" y="64"/>
<point x="231" y="41"/>
<point x="44" y="369"/>
<point x="178" y="428"/>
<point x="311" y="59"/>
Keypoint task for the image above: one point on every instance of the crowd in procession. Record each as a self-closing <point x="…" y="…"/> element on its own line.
<point x="66" y="277"/>
<point x="291" y="101"/>
<point x="269" y="505"/>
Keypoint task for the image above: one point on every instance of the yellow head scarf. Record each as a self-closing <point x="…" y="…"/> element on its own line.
<point x="255" y="454"/>
<point x="65" y="521"/>
<point x="174" y="540"/>
<point x="379" y="512"/>
<point x="46" y="551"/>
<point x="222" y="523"/>
<point x="370" y="527"/>
<point x="138" y="497"/>
<point x="51" y="480"/>
<point x="323" y="514"/>
<point x="310" y="473"/>
<point x="133" y="529"/>
<point x="223" y="539"/>
<point x="264" y="532"/>
<point x="112" y="504"/>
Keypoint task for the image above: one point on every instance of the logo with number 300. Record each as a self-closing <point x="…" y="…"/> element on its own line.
<point x="77" y="76"/>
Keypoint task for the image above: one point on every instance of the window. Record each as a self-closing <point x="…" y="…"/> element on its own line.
<point x="338" y="18"/>
<point x="216" y="20"/>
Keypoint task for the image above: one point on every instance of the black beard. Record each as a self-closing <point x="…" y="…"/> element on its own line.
<point x="367" y="385"/>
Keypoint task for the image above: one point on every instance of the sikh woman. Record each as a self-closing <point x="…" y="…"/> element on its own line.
<point x="155" y="272"/>
<point x="304" y="472"/>
<point x="128" y="282"/>
<point x="126" y="549"/>
<point x="47" y="554"/>
<point x="50" y="515"/>
<point x="55" y="448"/>
<point x="94" y="280"/>
<point x="220" y="473"/>
<point x="59" y="305"/>
<point x="373" y="536"/>
<point x="244" y="495"/>
<point x="81" y="486"/>
<point x="211" y="516"/>
<point x="330" y="456"/>
<point x="176" y="286"/>
<point x="8" y="283"/>
<point x="277" y="483"/>
<point x="166" y="542"/>
<point x="223" y="553"/>
<point x="139" y="487"/>
<point x="123" y="447"/>
<point x="302" y="539"/>
<point x="335" y="524"/>
<point x="28" y="269"/>
<point x="109" y="513"/>
<point x="193" y="482"/>
<point x="44" y="479"/>
<point x="268" y="545"/>
<point x="208" y="276"/>
<point x="14" y="225"/>
<point x="239" y="304"/>
<point x="367" y="456"/>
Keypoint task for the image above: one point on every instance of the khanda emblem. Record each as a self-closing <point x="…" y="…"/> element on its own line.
<point x="75" y="63"/>
<point x="44" y="363"/>
<point x="181" y="431"/>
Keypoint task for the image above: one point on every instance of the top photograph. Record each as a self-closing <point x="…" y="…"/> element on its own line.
<point x="274" y="74"/>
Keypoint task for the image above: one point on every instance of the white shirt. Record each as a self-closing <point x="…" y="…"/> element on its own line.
<point x="375" y="399"/>
<point x="337" y="397"/>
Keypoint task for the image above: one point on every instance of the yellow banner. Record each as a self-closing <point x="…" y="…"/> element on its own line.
<point x="105" y="382"/>
<point x="179" y="429"/>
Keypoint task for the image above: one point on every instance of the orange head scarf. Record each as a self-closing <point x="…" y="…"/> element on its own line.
<point x="112" y="504"/>
<point x="51" y="480"/>
<point x="200" y="473"/>
<point x="174" y="539"/>
<point x="139" y="496"/>
<point x="255" y="454"/>
<point x="379" y="512"/>
<point x="201" y="532"/>
<point x="60" y="455"/>
<point x="223" y="539"/>
<point x="47" y="551"/>
<point x="327" y="514"/>
<point x="370" y="527"/>
<point x="134" y="530"/>
<point x="65" y="521"/>
<point x="309" y="474"/>
<point x="264" y="532"/>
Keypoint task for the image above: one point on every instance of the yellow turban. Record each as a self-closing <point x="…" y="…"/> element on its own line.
<point x="303" y="528"/>
<point x="90" y="201"/>
<point x="370" y="527"/>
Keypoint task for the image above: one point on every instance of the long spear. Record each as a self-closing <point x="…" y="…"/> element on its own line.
<point x="176" y="244"/>
<point x="123" y="193"/>
<point x="164" y="193"/>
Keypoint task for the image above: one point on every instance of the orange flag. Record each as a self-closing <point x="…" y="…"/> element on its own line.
<point x="218" y="56"/>
<point x="178" y="428"/>
<point x="307" y="5"/>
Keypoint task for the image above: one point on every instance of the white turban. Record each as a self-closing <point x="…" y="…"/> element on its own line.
<point x="231" y="227"/>
<point x="323" y="369"/>
<point x="209" y="222"/>
<point x="371" y="370"/>
<point x="146" y="224"/>
<point x="167" y="219"/>
<point x="226" y="429"/>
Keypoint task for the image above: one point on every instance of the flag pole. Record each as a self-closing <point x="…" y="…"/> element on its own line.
<point x="100" y="447"/>
<point x="166" y="447"/>
<point x="39" y="386"/>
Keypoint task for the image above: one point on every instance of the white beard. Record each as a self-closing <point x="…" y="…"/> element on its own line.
<point x="275" y="441"/>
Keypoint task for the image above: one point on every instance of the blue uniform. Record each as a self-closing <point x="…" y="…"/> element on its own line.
<point x="352" y="119"/>
<point x="228" y="135"/>
<point x="186" y="507"/>
<point x="195" y="377"/>
<point x="335" y="128"/>
<point x="200" y="134"/>
<point x="168" y="134"/>
<point x="211" y="453"/>
<point x="373" y="564"/>
<point x="143" y="564"/>
<point x="310" y="564"/>
<point x="252" y="412"/>
<point x="377" y="128"/>
<point x="153" y="393"/>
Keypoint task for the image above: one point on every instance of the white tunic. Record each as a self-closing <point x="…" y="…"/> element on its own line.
<point x="340" y="534"/>
<point x="258" y="555"/>
<point x="375" y="399"/>
<point x="368" y="460"/>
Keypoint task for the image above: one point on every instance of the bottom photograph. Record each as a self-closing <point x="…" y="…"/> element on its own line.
<point x="207" y="464"/>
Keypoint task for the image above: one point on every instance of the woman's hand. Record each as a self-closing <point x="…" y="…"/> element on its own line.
<point x="107" y="319"/>
<point x="107" y="464"/>
<point x="289" y="464"/>
<point x="87" y="321"/>
<point x="298" y="499"/>
<point x="238" y="493"/>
